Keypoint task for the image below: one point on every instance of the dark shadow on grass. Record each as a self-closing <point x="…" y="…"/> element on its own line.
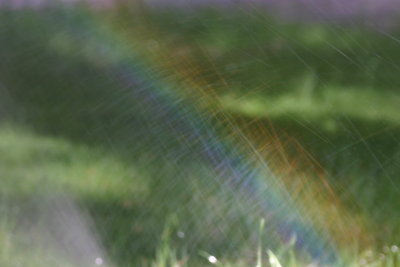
<point x="253" y="52"/>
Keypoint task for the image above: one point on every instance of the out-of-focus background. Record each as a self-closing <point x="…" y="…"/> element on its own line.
<point x="195" y="133"/>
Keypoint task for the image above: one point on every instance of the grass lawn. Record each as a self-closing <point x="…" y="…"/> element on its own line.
<point x="84" y="154"/>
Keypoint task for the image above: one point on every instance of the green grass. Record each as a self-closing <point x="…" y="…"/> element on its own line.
<point x="332" y="88"/>
<point x="361" y="104"/>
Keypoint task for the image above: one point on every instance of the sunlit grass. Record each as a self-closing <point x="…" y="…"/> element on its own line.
<point x="364" y="104"/>
<point x="29" y="162"/>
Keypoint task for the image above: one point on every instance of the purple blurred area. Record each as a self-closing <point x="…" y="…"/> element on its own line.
<point x="37" y="4"/>
<point x="382" y="12"/>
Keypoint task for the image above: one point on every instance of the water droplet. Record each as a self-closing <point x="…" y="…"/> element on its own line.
<point x="98" y="261"/>
<point x="394" y="248"/>
<point x="180" y="234"/>
<point x="212" y="259"/>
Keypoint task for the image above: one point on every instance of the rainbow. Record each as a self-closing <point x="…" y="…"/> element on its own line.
<point x="240" y="172"/>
